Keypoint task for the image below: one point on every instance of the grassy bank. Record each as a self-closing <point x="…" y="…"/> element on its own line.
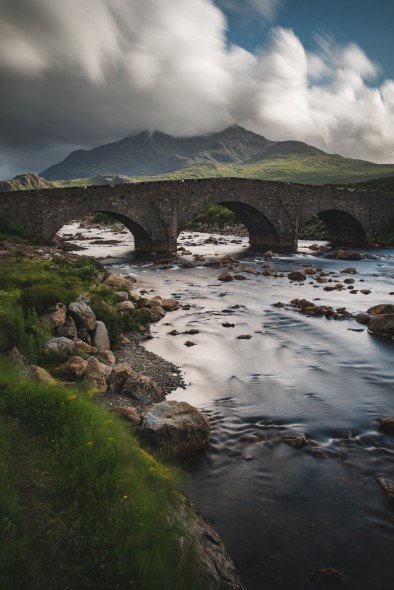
<point x="82" y="506"/>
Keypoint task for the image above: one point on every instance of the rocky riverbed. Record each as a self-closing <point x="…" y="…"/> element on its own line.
<point x="298" y="470"/>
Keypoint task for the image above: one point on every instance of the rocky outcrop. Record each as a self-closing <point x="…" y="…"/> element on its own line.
<point x="83" y="315"/>
<point x="175" y="428"/>
<point x="96" y="375"/>
<point x="215" y="563"/>
<point x="60" y="345"/>
<point x="68" y="329"/>
<point x="73" y="368"/>
<point x="119" y="375"/>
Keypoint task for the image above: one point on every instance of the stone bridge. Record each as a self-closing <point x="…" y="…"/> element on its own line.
<point x="155" y="212"/>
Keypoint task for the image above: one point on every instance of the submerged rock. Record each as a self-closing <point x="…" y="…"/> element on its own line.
<point x="175" y="428"/>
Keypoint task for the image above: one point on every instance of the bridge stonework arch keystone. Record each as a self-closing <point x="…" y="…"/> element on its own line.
<point x="155" y="212"/>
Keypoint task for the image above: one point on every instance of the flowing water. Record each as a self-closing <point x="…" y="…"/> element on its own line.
<point x="283" y="511"/>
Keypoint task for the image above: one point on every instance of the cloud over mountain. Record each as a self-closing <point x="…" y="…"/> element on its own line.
<point x="82" y="73"/>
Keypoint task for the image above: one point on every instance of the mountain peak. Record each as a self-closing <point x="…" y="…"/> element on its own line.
<point x="153" y="153"/>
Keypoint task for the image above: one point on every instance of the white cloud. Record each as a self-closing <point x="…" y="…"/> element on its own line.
<point x="84" y="73"/>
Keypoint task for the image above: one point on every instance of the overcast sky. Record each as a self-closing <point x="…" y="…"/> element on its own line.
<point x="80" y="73"/>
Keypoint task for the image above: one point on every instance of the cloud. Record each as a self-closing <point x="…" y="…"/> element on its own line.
<point x="264" y="9"/>
<point x="79" y="74"/>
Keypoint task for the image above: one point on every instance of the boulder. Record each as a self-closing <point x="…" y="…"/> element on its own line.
<point x="108" y="357"/>
<point x="381" y="308"/>
<point x="39" y="374"/>
<point x="96" y="375"/>
<point x="344" y="254"/>
<point x="83" y="315"/>
<point x="123" y="295"/>
<point x="131" y="415"/>
<point x="118" y="377"/>
<point x="84" y="346"/>
<point x="296" y="275"/>
<point x="60" y="345"/>
<point x="362" y="318"/>
<point x="127" y="306"/>
<point x="156" y="313"/>
<point x="225" y="277"/>
<point x="100" y="337"/>
<point x="175" y="428"/>
<point x="119" y="282"/>
<point x="142" y="391"/>
<point x="68" y="329"/>
<point x="170" y="304"/>
<point x="74" y="368"/>
<point x="56" y="315"/>
<point x="382" y="324"/>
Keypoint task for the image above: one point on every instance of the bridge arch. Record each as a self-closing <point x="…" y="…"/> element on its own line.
<point x="343" y="227"/>
<point x="262" y="231"/>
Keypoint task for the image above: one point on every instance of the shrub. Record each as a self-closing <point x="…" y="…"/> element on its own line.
<point x="120" y="323"/>
<point x="40" y="297"/>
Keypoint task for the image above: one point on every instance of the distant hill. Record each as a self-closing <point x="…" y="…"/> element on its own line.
<point x="233" y="152"/>
<point x="26" y="181"/>
<point x="30" y="181"/>
<point x="378" y="184"/>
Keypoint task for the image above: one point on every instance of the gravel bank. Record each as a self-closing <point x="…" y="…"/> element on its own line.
<point x="144" y="362"/>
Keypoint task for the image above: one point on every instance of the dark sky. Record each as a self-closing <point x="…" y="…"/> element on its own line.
<point x="81" y="73"/>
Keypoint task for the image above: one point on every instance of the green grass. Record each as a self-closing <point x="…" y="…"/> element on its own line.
<point x="302" y="168"/>
<point x="107" y="507"/>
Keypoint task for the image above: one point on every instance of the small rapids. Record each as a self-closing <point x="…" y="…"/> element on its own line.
<point x="283" y="511"/>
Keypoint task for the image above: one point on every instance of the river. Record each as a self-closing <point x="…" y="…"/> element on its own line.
<point x="283" y="511"/>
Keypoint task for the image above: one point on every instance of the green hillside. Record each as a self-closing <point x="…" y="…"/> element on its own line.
<point x="306" y="169"/>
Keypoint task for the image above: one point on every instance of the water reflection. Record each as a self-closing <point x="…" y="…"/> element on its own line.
<point x="287" y="511"/>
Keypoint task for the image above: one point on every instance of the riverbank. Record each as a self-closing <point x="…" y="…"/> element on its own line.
<point x="85" y="445"/>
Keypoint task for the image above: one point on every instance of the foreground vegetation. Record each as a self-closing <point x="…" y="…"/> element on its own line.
<point x="82" y="506"/>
